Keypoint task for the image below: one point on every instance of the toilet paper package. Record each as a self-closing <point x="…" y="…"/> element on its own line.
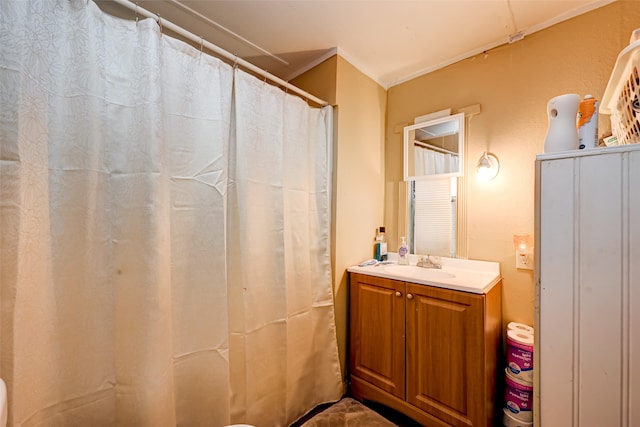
<point x="520" y="327"/>
<point x="518" y="398"/>
<point x="520" y="355"/>
<point x="508" y="420"/>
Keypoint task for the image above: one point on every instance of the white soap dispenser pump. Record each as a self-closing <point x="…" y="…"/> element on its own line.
<point x="403" y="252"/>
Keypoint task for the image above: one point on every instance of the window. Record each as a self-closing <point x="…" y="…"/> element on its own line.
<point x="432" y="224"/>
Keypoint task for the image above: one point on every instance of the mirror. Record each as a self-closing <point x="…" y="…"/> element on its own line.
<point x="433" y="225"/>
<point x="434" y="149"/>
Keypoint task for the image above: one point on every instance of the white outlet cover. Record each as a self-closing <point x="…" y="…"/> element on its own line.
<point x="524" y="260"/>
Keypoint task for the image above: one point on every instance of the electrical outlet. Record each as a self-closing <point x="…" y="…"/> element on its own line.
<point x="524" y="260"/>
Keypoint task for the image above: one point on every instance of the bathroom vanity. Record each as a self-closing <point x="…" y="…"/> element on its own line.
<point x="426" y="342"/>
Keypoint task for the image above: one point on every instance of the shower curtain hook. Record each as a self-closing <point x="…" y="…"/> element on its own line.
<point x="159" y="22"/>
<point x="235" y="61"/>
<point x="201" y="43"/>
<point x="265" y="75"/>
<point x="137" y="17"/>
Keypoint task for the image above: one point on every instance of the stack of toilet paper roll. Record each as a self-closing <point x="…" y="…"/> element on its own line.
<point x="518" y="393"/>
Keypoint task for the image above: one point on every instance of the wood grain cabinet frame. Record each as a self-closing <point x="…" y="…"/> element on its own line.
<point x="428" y="352"/>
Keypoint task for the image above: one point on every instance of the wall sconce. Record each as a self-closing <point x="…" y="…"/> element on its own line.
<point x="524" y="251"/>
<point x="488" y="167"/>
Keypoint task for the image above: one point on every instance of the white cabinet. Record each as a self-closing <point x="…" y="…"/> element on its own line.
<point x="588" y="288"/>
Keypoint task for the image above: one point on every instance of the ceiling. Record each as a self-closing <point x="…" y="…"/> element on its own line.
<point x="391" y="41"/>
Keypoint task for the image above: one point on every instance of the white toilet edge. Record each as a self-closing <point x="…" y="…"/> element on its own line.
<point x="3" y="404"/>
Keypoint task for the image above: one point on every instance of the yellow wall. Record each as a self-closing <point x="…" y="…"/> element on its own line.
<point x="513" y="84"/>
<point x="358" y="196"/>
<point x="321" y="80"/>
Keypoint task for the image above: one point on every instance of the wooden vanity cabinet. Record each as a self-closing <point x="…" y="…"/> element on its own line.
<point x="377" y="312"/>
<point x="428" y="352"/>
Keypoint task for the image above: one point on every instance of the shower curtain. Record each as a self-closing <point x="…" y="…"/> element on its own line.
<point x="429" y="162"/>
<point x="164" y="230"/>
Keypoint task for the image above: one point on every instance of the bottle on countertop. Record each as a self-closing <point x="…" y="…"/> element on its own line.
<point x="588" y="123"/>
<point x="380" y="246"/>
<point x="403" y="252"/>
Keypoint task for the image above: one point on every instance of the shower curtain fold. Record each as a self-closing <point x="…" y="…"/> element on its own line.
<point x="280" y="171"/>
<point x="157" y="268"/>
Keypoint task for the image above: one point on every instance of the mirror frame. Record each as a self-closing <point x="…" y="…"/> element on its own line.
<point x="408" y="145"/>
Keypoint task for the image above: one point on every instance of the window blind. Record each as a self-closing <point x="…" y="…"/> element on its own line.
<point x="433" y="204"/>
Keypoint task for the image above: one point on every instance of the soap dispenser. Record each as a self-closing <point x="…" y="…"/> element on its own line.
<point x="403" y="252"/>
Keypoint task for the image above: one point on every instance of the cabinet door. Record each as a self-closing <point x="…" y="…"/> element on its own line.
<point x="377" y="332"/>
<point x="445" y="375"/>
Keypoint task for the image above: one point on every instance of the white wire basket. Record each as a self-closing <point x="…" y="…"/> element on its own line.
<point x="621" y="98"/>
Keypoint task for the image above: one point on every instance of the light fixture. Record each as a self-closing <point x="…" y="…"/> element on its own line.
<point x="523" y="244"/>
<point x="488" y="167"/>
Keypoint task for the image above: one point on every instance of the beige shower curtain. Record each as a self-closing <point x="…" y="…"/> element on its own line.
<point x="163" y="238"/>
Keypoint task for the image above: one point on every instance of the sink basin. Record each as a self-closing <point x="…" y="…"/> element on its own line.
<point x="465" y="275"/>
<point x="412" y="271"/>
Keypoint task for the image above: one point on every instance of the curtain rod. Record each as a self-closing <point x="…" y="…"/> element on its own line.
<point x="218" y="50"/>
<point x="434" y="148"/>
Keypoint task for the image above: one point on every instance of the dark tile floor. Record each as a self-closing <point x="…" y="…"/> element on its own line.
<point x="349" y="412"/>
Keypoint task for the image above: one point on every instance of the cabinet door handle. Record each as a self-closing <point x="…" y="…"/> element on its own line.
<point x="409" y="296"/>
<point x="398" y="293"/>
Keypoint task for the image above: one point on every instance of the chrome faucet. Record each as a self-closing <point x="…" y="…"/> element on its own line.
<point x="429" y="261"/>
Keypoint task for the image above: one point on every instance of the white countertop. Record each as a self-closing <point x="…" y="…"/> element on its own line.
<point x="477" y="277"/>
